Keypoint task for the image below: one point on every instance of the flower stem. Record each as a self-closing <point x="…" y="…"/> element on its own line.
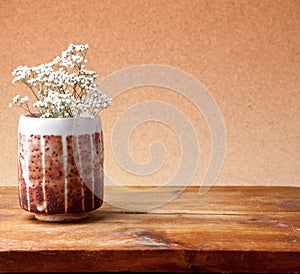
<point x="30" y="87"/>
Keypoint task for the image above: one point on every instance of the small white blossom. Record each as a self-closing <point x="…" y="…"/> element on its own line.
<point x="63" y="87"/>
<point x="16" y="99"/>
<point x="24" y="100"/>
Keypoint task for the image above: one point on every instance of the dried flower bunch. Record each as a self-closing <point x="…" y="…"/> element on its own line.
<point x="63" y="88"/>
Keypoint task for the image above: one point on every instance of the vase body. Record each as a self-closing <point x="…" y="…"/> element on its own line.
<point x="60" y="163"/>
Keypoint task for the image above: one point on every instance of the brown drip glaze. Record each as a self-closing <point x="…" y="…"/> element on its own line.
<point x="35" y="173"/>
<point x="61" y="182"/>
<point x="54" y="174"/>
<point x="74" y="181"/>
<point x="22" y="184"/>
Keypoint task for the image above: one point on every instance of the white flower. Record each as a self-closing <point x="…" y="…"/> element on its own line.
<point x="16" y="99"/>
<point x="24" y="100"/>
<point x="63" y="87"/>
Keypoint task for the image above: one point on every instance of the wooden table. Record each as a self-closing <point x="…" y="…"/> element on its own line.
<point x="230" y="229"/>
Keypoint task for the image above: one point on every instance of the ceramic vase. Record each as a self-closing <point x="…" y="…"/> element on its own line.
<point x="60" y="163"/>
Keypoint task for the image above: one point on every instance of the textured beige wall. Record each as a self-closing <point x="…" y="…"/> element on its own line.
<point x="245" y="52"/>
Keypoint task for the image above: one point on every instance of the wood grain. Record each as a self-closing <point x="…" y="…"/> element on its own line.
<point x="230" y="229"/>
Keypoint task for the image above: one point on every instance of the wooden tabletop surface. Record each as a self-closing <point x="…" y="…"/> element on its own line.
<point x="230" y="229"/>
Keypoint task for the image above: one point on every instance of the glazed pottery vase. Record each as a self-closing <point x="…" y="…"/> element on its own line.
<point x="60" y="163"/>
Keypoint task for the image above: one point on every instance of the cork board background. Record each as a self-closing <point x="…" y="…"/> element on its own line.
<point x="247" y="54"/>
